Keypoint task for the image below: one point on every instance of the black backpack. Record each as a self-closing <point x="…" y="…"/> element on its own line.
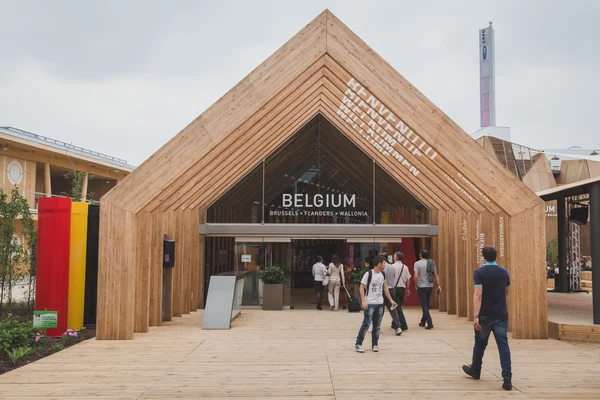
<point x="370" y="272"/>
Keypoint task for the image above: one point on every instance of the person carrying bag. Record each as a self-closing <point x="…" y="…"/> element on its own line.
<point x="335" y="279"/>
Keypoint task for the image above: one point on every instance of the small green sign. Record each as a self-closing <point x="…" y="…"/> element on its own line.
<point x="45" y="319"/>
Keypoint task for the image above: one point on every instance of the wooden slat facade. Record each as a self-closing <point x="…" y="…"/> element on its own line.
<point x="473" y="199"/>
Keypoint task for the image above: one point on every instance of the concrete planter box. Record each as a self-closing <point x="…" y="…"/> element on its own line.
<point x="273" y="296"/>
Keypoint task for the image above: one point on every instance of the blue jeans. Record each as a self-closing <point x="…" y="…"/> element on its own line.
<point x="500" y="329"/>
<point x="374" y="313"/>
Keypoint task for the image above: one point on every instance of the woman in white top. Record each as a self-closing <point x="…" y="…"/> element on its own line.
<point x="335" y="271"/>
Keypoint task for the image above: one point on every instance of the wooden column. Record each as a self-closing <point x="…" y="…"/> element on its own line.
<point x="143" y="267"/>
<point x="116" y="274"/>
<point x="47" y="180"/>
<point x="84" y="188"/>
<point x="527" y="239"/>
<point x="595" y="231"/>
<point x="452" y="234"/>
<point x="156" y="267"/>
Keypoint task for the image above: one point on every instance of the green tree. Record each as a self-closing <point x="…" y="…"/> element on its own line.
<point x="552" y="252"/>
<point x="76" y="179"/>
<point x="16" y="262"/>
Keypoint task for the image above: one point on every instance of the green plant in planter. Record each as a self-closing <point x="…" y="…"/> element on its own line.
<point x="356" y="277"/>
<point x="272" y="275"/>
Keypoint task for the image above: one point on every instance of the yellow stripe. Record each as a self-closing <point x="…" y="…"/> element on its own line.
<point x="79" y="215"/>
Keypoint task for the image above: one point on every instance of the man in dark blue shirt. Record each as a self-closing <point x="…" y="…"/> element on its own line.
<point x="491" y="315"/>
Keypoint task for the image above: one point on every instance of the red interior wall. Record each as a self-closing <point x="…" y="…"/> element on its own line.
<point x="407" y="247"/>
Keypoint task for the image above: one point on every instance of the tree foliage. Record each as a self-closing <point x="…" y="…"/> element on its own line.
<point x="76" y="179"/>
<point x="552" y="252"/>
<point x="17" y="257"/>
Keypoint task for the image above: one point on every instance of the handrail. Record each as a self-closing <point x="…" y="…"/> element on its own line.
<point x="36" y="194"/>
<point x="63" y="144"/>
<point x="30" y="191"/>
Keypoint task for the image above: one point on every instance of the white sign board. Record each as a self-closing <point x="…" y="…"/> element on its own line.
<point x="246" y="258"/>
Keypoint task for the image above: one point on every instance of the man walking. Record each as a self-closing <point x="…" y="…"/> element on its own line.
<point x="318" y="271"/>
<point x="491" y="315"/>
<point x="401" y="287"/>
<point x="390" y="280"/>
<point x="372" y="290"/>
<point x="425" y="276"/>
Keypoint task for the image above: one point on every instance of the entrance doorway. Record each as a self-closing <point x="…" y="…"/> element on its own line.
<point x="297" y="256"/>
<point x="305" y="256"/>
<point x="354" y="255"/>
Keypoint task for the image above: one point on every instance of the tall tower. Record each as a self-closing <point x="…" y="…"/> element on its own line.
<point x="487" y="77"/>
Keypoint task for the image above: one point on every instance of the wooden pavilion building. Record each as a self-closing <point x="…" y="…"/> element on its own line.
<point x="322" y="141"/>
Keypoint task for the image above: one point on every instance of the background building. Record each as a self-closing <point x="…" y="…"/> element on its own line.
<point x="37" y="166"/>
<point x="547" y="169"/>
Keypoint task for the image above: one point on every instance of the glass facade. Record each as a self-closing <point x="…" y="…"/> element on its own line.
<point x="317" y="177"/>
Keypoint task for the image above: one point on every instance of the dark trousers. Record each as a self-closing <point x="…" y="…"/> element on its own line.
<point x="500" y="329"/>
<point x="393" y="313"/>
<point x="319" y="290"/>
<point x="400" y="299"/>
<point x="424" y="299"/>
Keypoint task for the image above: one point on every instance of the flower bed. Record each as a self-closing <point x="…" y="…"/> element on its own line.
<point x="20" y="344"/>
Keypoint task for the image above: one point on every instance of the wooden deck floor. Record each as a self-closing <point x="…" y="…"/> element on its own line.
<point x="302" y="353"/>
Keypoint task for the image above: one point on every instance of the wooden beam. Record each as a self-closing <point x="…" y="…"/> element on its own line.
<point x="84" y="188"/>
<point x="47" y="180"/>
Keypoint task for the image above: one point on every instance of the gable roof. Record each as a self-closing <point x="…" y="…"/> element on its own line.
<point x="324" y="69"/>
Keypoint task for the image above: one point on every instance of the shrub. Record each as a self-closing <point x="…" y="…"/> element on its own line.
<point x="272" y="275"/>
<point x="56" y="347"/>
<point x="18" y="353"/>
<point x="15" y="334"/>
<point x="356" y="277"/>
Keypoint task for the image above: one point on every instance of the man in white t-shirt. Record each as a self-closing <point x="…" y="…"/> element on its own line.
<point x="372" y="290"/>
<point x="401" y="287"/>
<point x="318" y="271"/>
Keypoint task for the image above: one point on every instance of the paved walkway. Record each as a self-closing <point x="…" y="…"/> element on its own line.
<point x="570" y="308"/>
<point x="302" y="353"/>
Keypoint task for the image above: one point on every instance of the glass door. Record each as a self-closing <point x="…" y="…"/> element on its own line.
<point x="250" y="257"/>
<point x="280" y="254"/>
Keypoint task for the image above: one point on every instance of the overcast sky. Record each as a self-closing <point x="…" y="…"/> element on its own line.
<point x="123" y="77"/>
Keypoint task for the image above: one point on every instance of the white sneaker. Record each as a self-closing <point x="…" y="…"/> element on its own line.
<point x="398" y="332"/>
<point x="376" y="349"/>
<point x="359" y="348"/>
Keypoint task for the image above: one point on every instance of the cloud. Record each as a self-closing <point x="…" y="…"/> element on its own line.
<point x="122" y="78"/>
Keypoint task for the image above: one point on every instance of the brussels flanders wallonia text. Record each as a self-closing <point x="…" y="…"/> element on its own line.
<point x="311" y="205"/>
